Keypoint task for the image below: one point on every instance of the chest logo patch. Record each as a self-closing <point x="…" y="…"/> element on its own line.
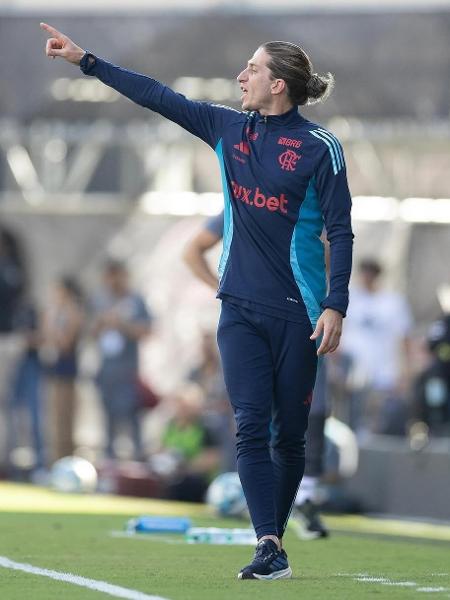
<point x="242" y="147"/>
<point x="284" y="141"/>
<point x="288" y="160"/>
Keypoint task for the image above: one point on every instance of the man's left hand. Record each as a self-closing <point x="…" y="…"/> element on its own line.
<point x="330" y="325"/>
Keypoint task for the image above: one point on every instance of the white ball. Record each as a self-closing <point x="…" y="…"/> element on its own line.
<point x="73" y="474"/>
<point x="226" y="496"/>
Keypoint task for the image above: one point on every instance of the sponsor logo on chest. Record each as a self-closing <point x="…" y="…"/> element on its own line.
<point x="256" y="198"/>
<point x="289" y="158"/>
<point x="289" y="142"/>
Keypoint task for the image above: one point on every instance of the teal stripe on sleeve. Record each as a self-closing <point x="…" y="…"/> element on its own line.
<point x="307" y="255"/>
<point x="336" y="146"/>
<point x="330" y="148"/>
<point x="227" y="214"/>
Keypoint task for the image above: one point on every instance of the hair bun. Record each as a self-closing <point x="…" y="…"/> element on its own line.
<point x="319" y="87"/>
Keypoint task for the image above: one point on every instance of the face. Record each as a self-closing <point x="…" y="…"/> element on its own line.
<point x="188" y="406"/>
<point x="257" y="84"/>
<point x="59" y="294"/>
<point x="116" y="280"/>
<point x="368" y="278"/>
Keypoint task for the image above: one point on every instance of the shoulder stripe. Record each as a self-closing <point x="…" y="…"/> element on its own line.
<point x="335" y="143"/>
<point x="330" y="148"/>
<point x="326" y="135"/>
<point x="337" y="157"/>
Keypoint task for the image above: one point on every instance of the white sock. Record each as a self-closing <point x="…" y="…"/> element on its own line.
<point x="307" y="490"/>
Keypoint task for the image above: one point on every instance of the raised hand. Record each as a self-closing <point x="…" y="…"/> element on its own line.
<point x="59" y="45"/>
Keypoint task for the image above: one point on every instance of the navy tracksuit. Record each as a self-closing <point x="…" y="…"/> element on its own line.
<point x="283" y="179"/>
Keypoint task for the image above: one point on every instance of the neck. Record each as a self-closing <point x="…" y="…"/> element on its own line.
<point x="119" y="292"/>
<point x="277" y="107"/>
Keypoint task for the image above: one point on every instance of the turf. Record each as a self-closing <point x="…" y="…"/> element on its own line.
<point x="82" y="544"/>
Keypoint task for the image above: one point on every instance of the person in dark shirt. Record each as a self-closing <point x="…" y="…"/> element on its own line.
<point x="121" y="320"/>
<point x="12" y="288"/>
<point x="26" y="388"/>
<point x="306" y="511"/>
<point x="12" y="279"/>
<point x="432" y="388"/>
<point x="284" y="178"/>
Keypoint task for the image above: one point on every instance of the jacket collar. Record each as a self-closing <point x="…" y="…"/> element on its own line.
<point x="291" y="116"/>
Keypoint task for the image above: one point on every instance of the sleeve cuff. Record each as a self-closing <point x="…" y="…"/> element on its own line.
<point x="87" y="63"/>
<point x="341" y="307"/>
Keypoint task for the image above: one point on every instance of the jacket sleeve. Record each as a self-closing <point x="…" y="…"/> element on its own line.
<point x="335" y="201"/>
<point x="215" y="225"/>
<point x="202" y="119"/>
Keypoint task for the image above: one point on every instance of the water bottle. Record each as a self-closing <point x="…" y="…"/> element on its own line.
<point x="155" y="524"/>
<point x="217" y="535"/>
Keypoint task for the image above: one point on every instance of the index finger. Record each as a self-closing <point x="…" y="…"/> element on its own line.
<point x="51" y="30"/>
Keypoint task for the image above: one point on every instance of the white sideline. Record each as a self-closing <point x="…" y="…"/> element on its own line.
<point x="364" y="578"/>
<point x="92" y="584"/>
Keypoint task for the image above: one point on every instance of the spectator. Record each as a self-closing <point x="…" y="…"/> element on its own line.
<point x="26" y="393"/>
<point x="376" y="340"/>
<point x="208" y="375"/>
<point x="189" y="449"/>
<point x="61" y="330"/>
<point x="208" y="236"/>
<point x="432" y="389"/>
<point x="12" y="278"/>
<point x="12" y="286"/>
<point x="121" y="321"/>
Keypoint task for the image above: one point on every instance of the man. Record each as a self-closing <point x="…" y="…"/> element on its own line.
<point x="121" y="321"/>
<point x="12" y="288"/>
<point x="63" y="320"/>
<point x="431" y="393"/>
<point x="377" y="340"/>
<point x="283" y="176"/>
<point x="194" y="255"/>
<point x="191" y="444"/>
<point x="306" y="512"/>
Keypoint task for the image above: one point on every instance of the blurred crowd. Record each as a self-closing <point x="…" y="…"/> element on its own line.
<point x="387" y="376"/>
<point x="384" y="379"/>
<point x="40" y="353"/>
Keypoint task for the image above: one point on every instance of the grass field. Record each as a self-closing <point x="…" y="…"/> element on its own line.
<point x="364" y="558"/>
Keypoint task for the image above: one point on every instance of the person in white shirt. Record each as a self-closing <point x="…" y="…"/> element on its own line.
<point x="376" y="340"/>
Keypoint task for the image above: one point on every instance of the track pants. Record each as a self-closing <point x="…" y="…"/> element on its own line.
<point x="269" y="366"/>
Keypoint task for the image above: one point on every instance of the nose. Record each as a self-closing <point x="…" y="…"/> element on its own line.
<point x="242" y="76"/>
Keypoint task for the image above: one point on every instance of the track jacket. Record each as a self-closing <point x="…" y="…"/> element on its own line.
<point x="284" y="179"/>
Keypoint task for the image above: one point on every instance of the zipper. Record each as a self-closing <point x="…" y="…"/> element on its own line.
<point x="263" y="141"/>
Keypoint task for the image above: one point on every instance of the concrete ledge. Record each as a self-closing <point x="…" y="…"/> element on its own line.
<point x="394" y="479"/>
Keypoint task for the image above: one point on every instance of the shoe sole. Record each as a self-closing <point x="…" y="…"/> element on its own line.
<point x="283" y="574"/>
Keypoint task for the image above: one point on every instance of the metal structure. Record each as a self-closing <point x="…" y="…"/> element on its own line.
<point x="71" y="164"/>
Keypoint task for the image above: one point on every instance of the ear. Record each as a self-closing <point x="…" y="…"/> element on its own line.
<point x="278" y="86"/>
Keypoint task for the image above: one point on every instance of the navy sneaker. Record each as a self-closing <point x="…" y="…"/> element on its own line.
<point x="268" y="563"/>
